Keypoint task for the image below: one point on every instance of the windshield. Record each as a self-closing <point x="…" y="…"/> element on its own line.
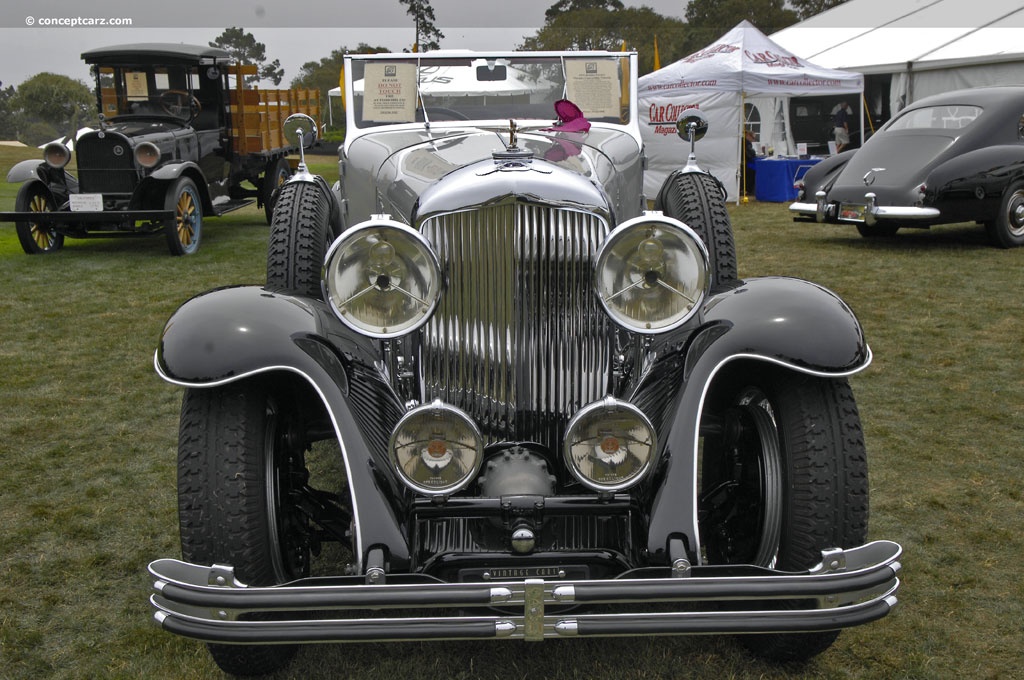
<point x="948" y="117"/>
<point x="148" y="90"/>
<point x="410" y="89"/>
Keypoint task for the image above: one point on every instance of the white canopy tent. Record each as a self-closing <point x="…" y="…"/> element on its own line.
<point x="927" y="46"/>
<point x="742" y="67"/>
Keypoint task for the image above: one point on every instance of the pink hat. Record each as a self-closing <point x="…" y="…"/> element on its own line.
<point x="570" y="118"/>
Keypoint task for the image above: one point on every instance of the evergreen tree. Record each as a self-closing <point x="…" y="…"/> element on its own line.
<point x="244" y="48"/>
<point x="428" y="36"/>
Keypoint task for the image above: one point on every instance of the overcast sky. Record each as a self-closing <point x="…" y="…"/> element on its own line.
<point x="294" y="32"/>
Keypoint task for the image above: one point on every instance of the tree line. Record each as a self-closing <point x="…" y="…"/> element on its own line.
<point x="48" y="105"/>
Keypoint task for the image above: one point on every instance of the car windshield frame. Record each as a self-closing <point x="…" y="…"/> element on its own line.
<point x="487" y="89"/>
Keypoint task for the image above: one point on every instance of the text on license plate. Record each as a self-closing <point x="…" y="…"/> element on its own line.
<point x="86" y="202"/>
<point x="852" y="211"/>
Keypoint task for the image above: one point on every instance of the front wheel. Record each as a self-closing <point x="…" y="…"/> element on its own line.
<point x="1008" y="229"/>
<point x="696" y="200"/>
<point x="240" y="465"/>
<point x="300" y="234"/>
<point x="36" y="238"/>
<point x="783" y="477"/>
<point x="186" y="228"/>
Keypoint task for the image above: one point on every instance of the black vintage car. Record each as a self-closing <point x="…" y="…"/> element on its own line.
<point x="952" y="157"/>
<point x="179" y="138"/>
<point x="501" y="400"/>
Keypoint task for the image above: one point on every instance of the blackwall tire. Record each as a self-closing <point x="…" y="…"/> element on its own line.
<point x="185" y="229"/>
<point x="877" y="230"/>
<point x="237" y="460"/>
<point x="276" y="174"/>
<point x="1008" y="229"/>
<point x="695" y="199"/>
<point x="785" y="478"/>
<point x="299" y="237"/>
<point x="36" y="239"/>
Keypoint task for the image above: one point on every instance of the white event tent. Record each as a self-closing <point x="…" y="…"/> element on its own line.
<point x="925" y="46"/>
<point x="742" y="67"/>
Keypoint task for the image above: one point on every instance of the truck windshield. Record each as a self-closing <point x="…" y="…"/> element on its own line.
<point x="411" y="89"/>
<point x="148" y="91"/>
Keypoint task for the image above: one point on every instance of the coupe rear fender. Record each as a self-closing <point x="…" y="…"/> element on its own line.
<point x="789" y="323"/>
<point x="990" y="169"/>
<point x="233" y="334"/>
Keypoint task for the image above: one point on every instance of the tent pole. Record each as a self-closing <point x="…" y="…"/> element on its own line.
<point x="743" y="149"/>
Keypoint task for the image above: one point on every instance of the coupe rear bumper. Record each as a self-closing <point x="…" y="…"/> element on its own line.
<point x="868" y="212"/>
<point x="849" y="588"/>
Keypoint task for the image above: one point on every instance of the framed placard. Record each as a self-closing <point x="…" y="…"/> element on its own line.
<point x="389" y="93"/>
<point x="593" y="85"/>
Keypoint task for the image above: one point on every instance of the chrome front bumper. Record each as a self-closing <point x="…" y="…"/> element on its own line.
<point x="849" y="588"/>
<point x="820" y="211"/>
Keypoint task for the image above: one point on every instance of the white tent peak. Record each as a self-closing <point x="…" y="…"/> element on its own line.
<point x="746" y="60"/>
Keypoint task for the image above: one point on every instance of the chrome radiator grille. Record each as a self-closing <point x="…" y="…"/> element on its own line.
<point x="519" y="340"/>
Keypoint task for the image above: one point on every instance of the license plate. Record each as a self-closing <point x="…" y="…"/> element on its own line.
<point x="577" y="572"/>
<point x="86" y="202"/>
<point x="853" y="212"/>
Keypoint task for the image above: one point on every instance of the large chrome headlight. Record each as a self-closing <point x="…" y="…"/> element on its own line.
<point x="437" y="449"/>
<point x="610" y="445"/>
<point x="652" y="274"/>
<point x="382" y="278"/>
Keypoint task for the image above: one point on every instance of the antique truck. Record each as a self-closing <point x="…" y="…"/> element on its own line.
<point x="180" y="137"/>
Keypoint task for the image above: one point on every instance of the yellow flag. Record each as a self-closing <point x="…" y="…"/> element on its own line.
<point x="341" y="84"/>
<point x="623" y="45"/>
<point x="657" y="57"/>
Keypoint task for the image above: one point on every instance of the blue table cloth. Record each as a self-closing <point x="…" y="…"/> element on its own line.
<point x="775" y="177"/>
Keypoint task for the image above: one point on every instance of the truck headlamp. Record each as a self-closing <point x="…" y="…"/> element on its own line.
<point x="436" y="449"/>
<point x="56" y="155"/>
<point x="147" y="154"/>
<point x="382" y="278"/>
<point x="610" y="445"/>
<point x="652" y="274"/>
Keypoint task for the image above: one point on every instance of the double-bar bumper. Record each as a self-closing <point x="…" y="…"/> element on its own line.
<point x="871" y="212"/>
<point x="849" y="588"/>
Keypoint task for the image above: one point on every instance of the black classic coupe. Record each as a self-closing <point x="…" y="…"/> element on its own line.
<point x="953" y="157"/>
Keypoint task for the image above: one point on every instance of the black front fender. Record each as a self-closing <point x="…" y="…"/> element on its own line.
<point x="790" y="323"/>
<point x="231" y="334"/>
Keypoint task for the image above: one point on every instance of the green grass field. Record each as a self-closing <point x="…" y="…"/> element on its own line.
<point x="88" y="436"/>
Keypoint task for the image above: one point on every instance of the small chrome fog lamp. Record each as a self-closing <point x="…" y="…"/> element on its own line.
<point x="56" y="155"/>
<point x="437" y="449"/>
<point x="147" y="154"/>
<point x="651" y="274"/>
<point x="382" y="278"/>
<point x="610" y="445"/>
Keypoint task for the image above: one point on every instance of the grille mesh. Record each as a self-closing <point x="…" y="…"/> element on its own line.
<point x="519" y="339"/>
<point x="104" y="170"/>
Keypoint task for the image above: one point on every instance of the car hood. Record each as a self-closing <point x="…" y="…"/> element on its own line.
<point x="892" y="163"/>
<point x="404" y="163"/>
